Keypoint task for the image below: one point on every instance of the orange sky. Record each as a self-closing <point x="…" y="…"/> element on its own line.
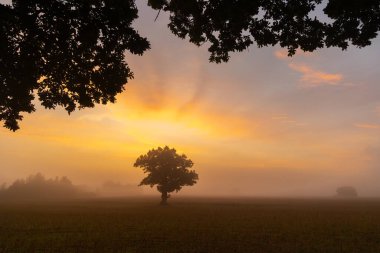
<point x="262" y="124"/>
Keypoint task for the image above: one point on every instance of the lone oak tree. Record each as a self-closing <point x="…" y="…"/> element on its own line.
<point x="70" y="53"/>
<point x="166" y="169"/>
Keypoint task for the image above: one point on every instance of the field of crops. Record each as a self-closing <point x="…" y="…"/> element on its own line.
<point x="192" y="225"/>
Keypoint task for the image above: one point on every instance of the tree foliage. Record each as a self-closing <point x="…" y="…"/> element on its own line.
<point x="166" y="169"/>
<point x="233" y="25"/>
<point x="70" y="53"/>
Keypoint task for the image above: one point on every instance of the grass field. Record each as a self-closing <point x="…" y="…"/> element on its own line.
<point x="192" y="225"/>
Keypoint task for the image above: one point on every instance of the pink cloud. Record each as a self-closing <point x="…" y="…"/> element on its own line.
<point x="281" y="54"/>
<point x="378" y="111"/>
<point x="367" y="126"/>
<point x="312" y="77"/>
<point x="286" y="119"/>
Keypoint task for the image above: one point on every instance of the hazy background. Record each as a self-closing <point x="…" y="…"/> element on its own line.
<point x="261" y="125"/>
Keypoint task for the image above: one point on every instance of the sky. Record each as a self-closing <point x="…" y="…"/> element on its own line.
<point x="263" y="124"/>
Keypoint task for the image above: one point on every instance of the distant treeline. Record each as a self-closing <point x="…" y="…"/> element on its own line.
<point x="37" y="187"/>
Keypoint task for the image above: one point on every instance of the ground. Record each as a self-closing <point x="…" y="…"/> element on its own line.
<point x="192" y="225"/>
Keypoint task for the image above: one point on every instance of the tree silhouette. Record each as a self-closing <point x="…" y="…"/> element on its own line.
<point x="233" y="25"/>
<point x="71" y="53"/>
<point x="68" y="52"/>
<point x="166" y="169"/>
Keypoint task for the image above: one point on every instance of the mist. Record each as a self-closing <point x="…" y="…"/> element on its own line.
<point x="222" y="182"/>
<point x="261" y="125"/>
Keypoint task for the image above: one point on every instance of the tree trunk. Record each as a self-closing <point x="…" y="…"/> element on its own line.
<point x="164" y="198"/>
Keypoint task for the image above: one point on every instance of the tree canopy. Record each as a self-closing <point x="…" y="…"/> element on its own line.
<point x="166" y="169"/>
<point x="233" y="25"/>
<point x="70" y="53"/>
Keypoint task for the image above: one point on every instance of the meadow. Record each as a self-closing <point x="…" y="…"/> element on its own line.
<point x="192" y="225"/>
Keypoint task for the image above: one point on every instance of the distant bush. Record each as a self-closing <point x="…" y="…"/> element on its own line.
<point x="346" y="191"/>
<point x="37" y="187"/>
